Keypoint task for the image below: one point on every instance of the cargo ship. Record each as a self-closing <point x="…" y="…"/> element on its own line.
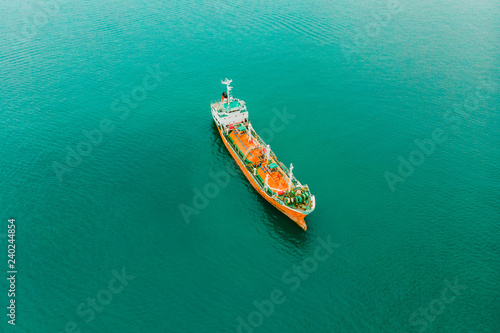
<point x="271" y="178"/>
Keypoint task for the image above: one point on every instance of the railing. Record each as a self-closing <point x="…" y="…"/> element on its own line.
<point x="285" y="170"/>
<point x="221" y="106"/>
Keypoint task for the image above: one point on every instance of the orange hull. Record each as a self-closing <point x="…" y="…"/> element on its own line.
<point x="292" y="214"/>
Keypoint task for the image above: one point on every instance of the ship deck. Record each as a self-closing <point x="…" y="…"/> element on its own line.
<point x="254" y="157"/>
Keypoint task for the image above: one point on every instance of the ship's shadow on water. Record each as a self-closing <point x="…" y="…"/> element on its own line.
<point x="277" y="224"/>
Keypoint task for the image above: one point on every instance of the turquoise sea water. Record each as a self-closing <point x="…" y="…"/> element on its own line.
<point x="350" y="85"/>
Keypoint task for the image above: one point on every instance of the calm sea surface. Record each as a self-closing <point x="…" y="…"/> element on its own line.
<point x="388" y="110"/>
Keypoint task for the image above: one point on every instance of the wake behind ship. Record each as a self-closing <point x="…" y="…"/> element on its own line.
<point x="271" y="178"/>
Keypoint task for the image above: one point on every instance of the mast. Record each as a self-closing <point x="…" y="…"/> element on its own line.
<point x="290" y="177"/>
<point x="227" y="82"/>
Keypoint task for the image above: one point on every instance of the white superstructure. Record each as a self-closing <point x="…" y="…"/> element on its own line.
<point x="229" y="113"/>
